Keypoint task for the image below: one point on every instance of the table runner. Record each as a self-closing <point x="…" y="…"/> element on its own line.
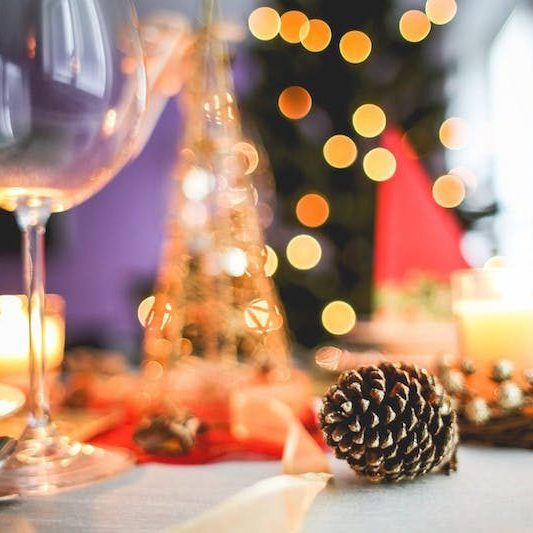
<point x="491" y="492"/>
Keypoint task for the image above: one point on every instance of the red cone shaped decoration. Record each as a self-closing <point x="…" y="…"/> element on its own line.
<point x="413" y="233"/>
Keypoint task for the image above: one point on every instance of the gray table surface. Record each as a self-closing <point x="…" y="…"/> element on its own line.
<point x="492" y="492"/>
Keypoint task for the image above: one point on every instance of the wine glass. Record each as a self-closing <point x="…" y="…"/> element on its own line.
<point x="72" y="96"/>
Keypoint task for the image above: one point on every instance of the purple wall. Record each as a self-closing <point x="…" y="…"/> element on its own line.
<point x="112" y="244"/>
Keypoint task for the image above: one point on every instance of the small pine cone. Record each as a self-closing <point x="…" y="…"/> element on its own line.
<point x="167" y="435"/>
<point x="390" y="422"/>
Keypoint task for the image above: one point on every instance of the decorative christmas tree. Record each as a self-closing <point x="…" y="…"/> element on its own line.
<point x="214" y="298"/>
<point x="405" y="79"/>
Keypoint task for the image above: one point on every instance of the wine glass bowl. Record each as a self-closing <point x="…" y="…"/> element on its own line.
<point x="72" y="98"/>
<point x="69" y="112"/>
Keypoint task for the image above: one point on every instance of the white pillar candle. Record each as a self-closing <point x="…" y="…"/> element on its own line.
<point x="494" y="314"/>
<point x="14" y="338"/>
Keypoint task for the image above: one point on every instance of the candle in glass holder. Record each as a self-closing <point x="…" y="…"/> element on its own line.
<point x="494" y="313"/>
<point x="14" y="342"/>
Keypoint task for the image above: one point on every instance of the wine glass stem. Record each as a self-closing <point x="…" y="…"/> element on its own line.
<point x="32" y="223"/>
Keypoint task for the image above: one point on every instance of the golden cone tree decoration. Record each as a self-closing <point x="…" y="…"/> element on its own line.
<point x="213" y="297"/>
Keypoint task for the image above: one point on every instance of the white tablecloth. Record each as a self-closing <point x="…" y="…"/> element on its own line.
<point x="491" y="492"/>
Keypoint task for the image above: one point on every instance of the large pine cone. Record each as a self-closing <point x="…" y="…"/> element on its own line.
<point x="390" y="422"/>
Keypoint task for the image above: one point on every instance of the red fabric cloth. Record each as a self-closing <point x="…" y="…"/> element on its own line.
<point x="216" y="443"/>
<point x="412" y="233"/>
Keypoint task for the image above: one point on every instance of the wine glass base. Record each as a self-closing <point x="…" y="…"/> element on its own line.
<point x="33" y="470"/>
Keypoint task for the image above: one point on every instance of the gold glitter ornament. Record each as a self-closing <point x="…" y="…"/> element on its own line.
<point x="510" y="396"/>
<point x="477" y="410"/>
<point x="212" y="288"/>
<point x="453" y="381"/>
<point x="502" y="371"/>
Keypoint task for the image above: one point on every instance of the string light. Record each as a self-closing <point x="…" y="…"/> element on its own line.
<point x="291" y="24"/>
<point x="441" y="11"/>
<point x="312" y="210"/>
<point x="414" y="26"/>
<point x="264" y="23"/>
<point x="272" y="262"/>
<point x="304" y="252"/>
<point x="295" y="102"/>
<point x="315" y="35"/>
<point x="448" y="191"/>
<point x="379" y="164"/>
<point x="340" y="151"/>
<point x="369" y="120"/>
<point x="454" y="133"/>
<point x="355" y="46"/>
<point x="338" y="318"/>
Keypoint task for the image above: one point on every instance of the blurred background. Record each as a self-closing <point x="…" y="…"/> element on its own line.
<point x="474" y="66"/>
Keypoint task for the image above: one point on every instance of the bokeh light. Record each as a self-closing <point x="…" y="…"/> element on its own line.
<point x="110" y="123"/>
<point x="338" y="318"/>
<point x="291" y="25"/>
<point x="295" y="102"/>
<point x="263" y="317"/>
<point x="355" y="46"/>
<point x="414" y="26"/>
<point x="272" y="262"/>
<point x="312" y="210"/>
<point x="469" y="178"/>
<point x="145" y="312"/>
<point x="264" y="23"/>
<point x="454" y="133"/>
<point x="256" y="259"/>
<point x="31" y="44"/>
<point x="369" y="120"/>
<point x="186" y="348"/>
<point x="249" y="153"/>
<point x="449" y="191"/>
<point x="340" y="151"/>
<point x="197" y="184"/>
<point x="153" y="370"/>
<point x="234" y="262"/>
<point x="441" y="11"/>
<point x="496" y="261"/>
<point x="379" y="164"/>
<point x="315" y="35"/>
<point x="304" y="252"/>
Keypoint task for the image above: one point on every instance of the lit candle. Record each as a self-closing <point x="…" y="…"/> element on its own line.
<point x="14" y="342"/>
<point x="494" y="312"/>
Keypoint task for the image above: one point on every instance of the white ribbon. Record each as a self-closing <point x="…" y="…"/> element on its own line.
<point x="278" y="504"/>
